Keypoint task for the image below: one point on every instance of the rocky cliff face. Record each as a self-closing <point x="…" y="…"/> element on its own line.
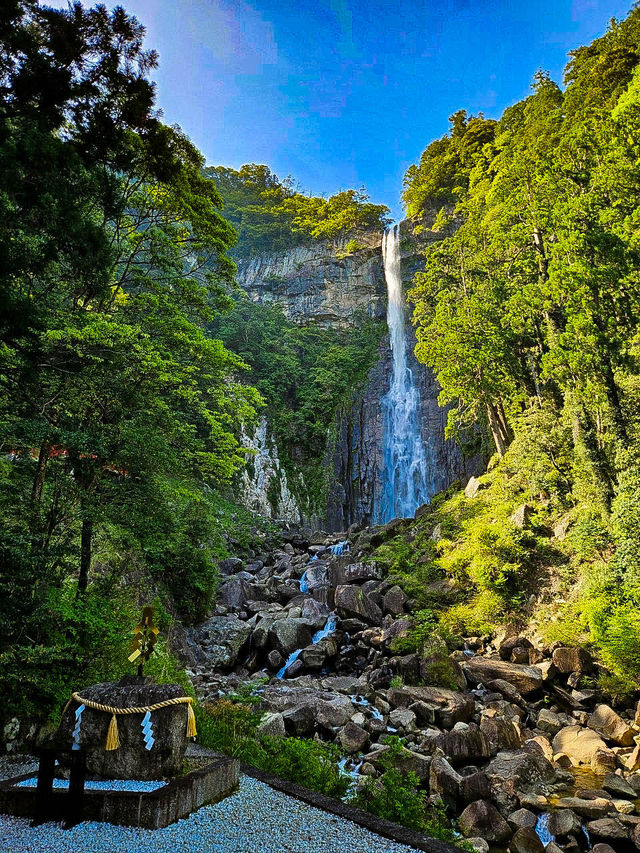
<point x="357" y="453"/>
<point x="322" y="284"/>
<point x="263" y="486"/>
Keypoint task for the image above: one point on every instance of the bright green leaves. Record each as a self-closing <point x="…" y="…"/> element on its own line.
<point x="269" y="214"/>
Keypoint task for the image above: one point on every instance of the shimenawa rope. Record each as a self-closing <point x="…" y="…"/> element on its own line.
<point x="113" y="740"/>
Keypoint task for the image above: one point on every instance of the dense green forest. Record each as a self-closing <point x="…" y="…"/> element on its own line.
<point x="307" y="375"/>
<point x="270" y="214"/>
<point x="117" y="406"/>
<point x="527" y="311"/>
<point x="121" y="408"/>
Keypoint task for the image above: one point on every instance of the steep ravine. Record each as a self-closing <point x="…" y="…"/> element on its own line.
<point x="322" y="284"/>
<point x="510" y="734"/>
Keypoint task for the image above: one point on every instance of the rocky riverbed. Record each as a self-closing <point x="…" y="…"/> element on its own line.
<point x="520" y="746"/>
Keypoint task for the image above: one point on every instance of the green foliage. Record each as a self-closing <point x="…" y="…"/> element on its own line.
<point x="426" y="635"/>
<point x="397" y="796"/>
<point x="88" y="641"/>
<point x="439" y="670"/>
<point x="306" y="375"/>
<point x="271" y="215"/>
<point x="230" y="727"/>
<point x="443" y="172"/>
<point x="527" y="311"/>
<point x="308" y="762"/>
<point x="119" y="412"/>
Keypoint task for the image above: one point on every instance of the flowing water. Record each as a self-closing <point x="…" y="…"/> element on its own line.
<point x="329" y="628"/>
<point x="340" y="548"/>
<point x="406" y="480"/>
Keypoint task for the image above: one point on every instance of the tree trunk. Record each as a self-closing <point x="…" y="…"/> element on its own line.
<point x="85" y="552"/>
<point x="500" y="437"/>
<point x="41" y="469"/>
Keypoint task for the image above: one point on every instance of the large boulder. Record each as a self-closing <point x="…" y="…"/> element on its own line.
<point x="351" y="600"/>
<point x="475" y="786"/>
<point x="230" y="565"/>
<point x="514" y="774"/>
<point x="549" y="722"/>
<point x="287" y="635"/>
<point x="527" y="679"/>
<point x="306" y="708"/>
<point x="219" y="640"/>
<point x="528" y="770"/>
<point x="617" y="786"/>
<point x="568" y="659"/>
<point x="131" y="760"/>
<point x="525" y="840"/>
<point x="591" y="809"/>
<point x="508" y="645"/>
<point x="358" y="573"/>
<point x="607" y="829"/>
<point x="314" y="611"/>
<point x="564" y="822"/>
<point x="579" y="744"/>
<point x="448" y="707"/>
<point x="611" y="726"/>
<point x="500" y="732"/>
<point x="394" y="601"/>
<point x="271" y="724"/>
<point x="352" y="738"/>
<point x="473" y="487"/>
<point x="317" y="576"/>
<point x="483" y="819"/>
<point x="463" y="745"/>
<point x="444" y="781"/>
<point x="234" y="593"/>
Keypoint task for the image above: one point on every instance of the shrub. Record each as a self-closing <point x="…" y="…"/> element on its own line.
<point x="425" y="636"/>
<point x="307" y="762"/>
<point x="397" y="796"/>
<point x="230" y="727"/>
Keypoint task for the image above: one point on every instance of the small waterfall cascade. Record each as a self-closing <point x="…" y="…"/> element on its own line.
<point x="340" y="548"/>
<point x="328" y="629"/>
<point x="542" y="829"/>
<point x="406" y="481"/>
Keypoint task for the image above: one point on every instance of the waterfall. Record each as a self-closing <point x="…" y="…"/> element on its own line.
<point x="329" y="628"/>
<point x="405" y="473"/>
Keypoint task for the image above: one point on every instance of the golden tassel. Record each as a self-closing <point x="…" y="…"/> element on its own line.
<point x="113" y="741"/>
<point x="191" y="721"/>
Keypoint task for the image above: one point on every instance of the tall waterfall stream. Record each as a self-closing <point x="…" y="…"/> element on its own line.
<point x="405" y="472"/>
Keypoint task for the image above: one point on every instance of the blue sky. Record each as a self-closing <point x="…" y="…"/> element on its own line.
<point x="345" y="93"/>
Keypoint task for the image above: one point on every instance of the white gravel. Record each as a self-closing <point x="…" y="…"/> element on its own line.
<point x="256" y="819"/>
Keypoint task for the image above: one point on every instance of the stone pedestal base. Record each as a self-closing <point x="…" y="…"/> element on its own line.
<point x="151" y="809"/>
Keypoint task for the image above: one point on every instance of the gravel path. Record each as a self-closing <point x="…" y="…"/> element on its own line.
<point x="257" y="819"/>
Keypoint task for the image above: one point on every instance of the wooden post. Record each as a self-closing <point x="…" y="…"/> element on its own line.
<point x="75" y="798"/>
<point x="44" y="787"/>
